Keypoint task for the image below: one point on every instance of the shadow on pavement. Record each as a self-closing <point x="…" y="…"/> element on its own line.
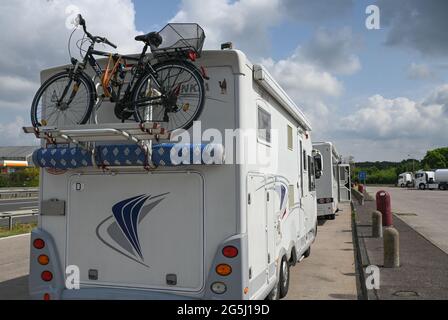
<point x="14" y="289"/>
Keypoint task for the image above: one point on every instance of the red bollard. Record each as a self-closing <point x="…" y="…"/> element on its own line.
<point x="361" y="188"/>
<point x="383" y="205"/>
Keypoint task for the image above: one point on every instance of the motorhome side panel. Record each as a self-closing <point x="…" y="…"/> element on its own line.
<point x="278" y="186"/>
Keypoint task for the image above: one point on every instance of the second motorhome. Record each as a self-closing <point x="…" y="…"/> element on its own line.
<point x="221" y="230"/>
<point x="327" y="185"/>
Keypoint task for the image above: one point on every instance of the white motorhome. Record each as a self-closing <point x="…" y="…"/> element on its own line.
<point x="405" y="180"/>
<point x="437" y="179"/>
<point x="327" y="186"/>
<point x="204" y="231"/>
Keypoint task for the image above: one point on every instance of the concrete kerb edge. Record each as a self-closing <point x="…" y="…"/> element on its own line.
<point x="362" y="260"/>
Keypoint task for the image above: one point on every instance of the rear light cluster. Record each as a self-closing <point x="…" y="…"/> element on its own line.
<point x="224" y="269"/>
<point x="192" y="56"/>
<point x="324" y="200"/>
<point x="43" y="260"/>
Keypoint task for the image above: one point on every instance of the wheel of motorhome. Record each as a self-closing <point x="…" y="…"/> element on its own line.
<point x="61" y="100"/>
<point x="275" y="292"/>
<point x="179" y="100"/>
<point x="284" y="278"/>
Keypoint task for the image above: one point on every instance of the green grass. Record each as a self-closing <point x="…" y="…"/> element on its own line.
<point x="17" y="229"/>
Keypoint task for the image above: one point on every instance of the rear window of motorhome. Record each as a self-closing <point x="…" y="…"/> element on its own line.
<point x="264" y="125"/>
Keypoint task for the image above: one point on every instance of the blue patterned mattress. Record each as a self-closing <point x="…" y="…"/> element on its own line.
<point x="165" y="154"/>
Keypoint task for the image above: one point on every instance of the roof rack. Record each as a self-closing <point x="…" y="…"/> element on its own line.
<point x="80" y="134"/>
<point x="85" y="136"/>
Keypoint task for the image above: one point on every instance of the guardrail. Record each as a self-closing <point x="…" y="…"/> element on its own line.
<point x="19" y="193"/>
<point x="12" y="216"/>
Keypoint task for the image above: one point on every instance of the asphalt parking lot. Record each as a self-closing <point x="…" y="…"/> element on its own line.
<point x="14" y="266"/>
<point x="426" y="211"/>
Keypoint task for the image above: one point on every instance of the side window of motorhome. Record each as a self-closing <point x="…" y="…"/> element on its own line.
<point x="290" y="138"/>
<point x="304" y="160"/>
<point x="301" y="168"/>
<point x="311" y="179"/>
<point x="291" y="198"/>
<point x="264" y="125"/>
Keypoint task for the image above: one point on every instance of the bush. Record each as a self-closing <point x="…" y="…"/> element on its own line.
<point x="28" y="177"/>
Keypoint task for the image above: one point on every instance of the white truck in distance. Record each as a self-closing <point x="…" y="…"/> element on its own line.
<point x="221" y="231"/>
<point x="405" y="179"/>
<point x="437" y="179"/>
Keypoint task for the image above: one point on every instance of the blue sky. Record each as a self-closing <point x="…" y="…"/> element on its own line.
<point x="378" y="94"/>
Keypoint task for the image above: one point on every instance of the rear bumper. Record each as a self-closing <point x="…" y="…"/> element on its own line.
<point x="56" y="288"/>
<point x="325" y="209"/>
<point x="120" y="294"/>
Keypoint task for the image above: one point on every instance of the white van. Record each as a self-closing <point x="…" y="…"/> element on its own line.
<point x="203" y="231"/>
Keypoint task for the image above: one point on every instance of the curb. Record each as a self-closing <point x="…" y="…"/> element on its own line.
<point x="362" y="260"/>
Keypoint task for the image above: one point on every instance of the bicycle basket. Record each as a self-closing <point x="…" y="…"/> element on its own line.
<point x="180" y="37"/>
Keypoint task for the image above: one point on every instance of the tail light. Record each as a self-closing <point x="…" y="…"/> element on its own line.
<point x="47" y="276"/>
<point x="38" y="243"/>
<point x="223" y="269"/>
<point x="43" y="259"/>
<point x="324" y="200"/>
<point x="46" y="296"/>
<point x="192" y="56"/>
<point x="230" y="252"/>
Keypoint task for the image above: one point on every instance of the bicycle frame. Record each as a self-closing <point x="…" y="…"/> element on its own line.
<point x="141" y="68"/>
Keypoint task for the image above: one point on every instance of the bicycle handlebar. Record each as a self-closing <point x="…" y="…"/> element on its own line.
<point x="82" y="22"/>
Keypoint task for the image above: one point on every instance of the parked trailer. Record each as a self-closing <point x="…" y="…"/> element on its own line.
<point x="405" y="180"/>
<point x="441" y="178"/>
<point x="437" y="179"/>
<point x="327" y="186"/>
<point x="205" y="231"/>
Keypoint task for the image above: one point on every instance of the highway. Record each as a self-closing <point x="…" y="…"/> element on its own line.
<point x="15" y="206"/>
<point x="426" y="211"/>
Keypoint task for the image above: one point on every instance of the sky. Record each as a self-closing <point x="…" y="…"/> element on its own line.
<point x="377" y="94"/>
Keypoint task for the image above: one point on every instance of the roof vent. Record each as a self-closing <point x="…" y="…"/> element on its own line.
<point x="227" y="46"/>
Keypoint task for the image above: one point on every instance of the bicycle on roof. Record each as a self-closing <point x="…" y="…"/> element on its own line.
<point x="157" y="92"/>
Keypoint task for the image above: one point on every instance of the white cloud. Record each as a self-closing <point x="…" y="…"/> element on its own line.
<point x="332" y="50"/>
<point x="302" y="79"/>
<point x="244" y="22"/>
<point x="439" y="97"/>
<point x="34" y="37"/>
<point x="12" y="135"/>
<point x="388" y="119"/>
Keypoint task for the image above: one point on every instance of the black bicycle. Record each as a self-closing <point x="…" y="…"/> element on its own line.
<point x="169" y="91"/>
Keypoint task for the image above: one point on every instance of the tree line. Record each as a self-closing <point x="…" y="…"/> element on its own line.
<point x="386" y="172"/>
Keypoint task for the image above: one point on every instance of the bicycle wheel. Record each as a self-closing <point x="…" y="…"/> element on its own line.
<point x="177" y="102"/>
<point x="48" y="109"/>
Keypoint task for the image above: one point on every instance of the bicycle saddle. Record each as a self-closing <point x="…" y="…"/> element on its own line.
<point x="152" y="38"/>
